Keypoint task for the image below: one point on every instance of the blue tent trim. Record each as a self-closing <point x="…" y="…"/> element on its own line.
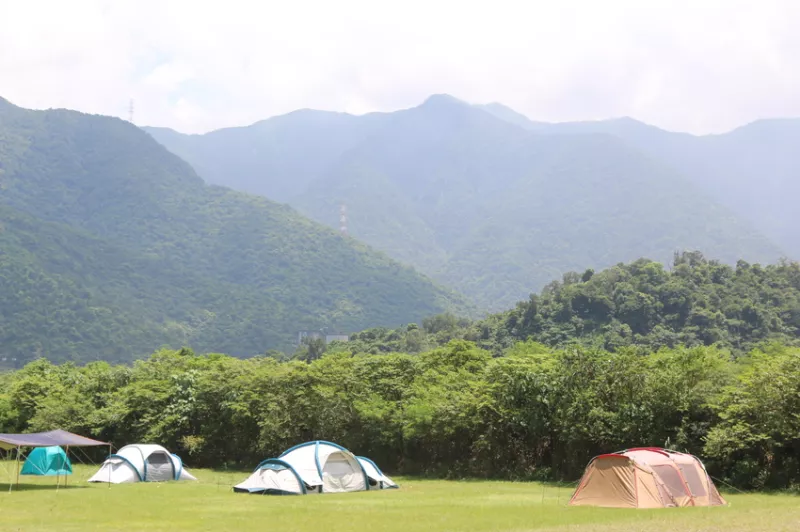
<point x="180" y="468"/>
<point x="316" y="461"/>
<point x="315" y="442"/>
<point x="378" y="469"/>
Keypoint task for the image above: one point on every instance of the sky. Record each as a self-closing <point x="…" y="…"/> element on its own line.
<point x="700" y="66"/>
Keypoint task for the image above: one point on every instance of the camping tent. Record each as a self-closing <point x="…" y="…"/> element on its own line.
<point x="646" y="477"/>
<point x="47" y="461"/>
<point x="375" y="475"/>
<point x="313" y="467"/>
<point x="141" y="463"/>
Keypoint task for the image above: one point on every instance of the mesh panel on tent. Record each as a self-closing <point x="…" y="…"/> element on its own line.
<point x="672" y="479"/>
<point x="694" y="481"/>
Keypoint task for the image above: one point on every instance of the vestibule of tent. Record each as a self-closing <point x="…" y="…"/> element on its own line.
<point x="314" y="467"/>
<point x="375" y="475"/>
<point x="646" y="477"/>
<point x="47" y="461"/>
<point x="141" y="463"/>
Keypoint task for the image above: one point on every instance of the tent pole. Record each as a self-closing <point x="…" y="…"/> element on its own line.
<point x="17" y="466"/>
<point x="66" y="477"/>
<point x="109" y="469"/>
<point x="9" y="473"/>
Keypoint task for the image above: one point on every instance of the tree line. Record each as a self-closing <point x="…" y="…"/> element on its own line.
<point x="694" y="302"/>
<point x="535" y="412"/>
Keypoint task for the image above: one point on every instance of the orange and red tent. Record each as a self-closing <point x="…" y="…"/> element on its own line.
<point x="646" y="477"/>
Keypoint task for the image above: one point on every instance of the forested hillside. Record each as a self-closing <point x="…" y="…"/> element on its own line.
<point x="450" y="412"/>
<point x="754" y="170"/>
<point x="112" y="246"/>
<point x="472" y="197"/>
<point x="695" y="302"/>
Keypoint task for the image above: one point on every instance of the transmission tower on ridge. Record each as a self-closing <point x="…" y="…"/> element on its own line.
<point x="343" y="219"/>
<point x="130" y="112"/>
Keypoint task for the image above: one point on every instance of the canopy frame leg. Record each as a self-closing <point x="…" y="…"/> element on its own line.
<point x="18" y="451"/>
<point x="66" y="477"/>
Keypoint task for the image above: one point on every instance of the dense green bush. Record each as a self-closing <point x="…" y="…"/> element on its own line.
<point x="454" y="410"/>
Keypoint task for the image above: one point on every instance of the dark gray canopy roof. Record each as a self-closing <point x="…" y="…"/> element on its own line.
<point x="46" y="439"/>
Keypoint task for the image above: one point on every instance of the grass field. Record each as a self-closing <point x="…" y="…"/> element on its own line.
<point x="419" y="505"/>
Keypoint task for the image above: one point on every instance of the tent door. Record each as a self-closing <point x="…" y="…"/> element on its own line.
<point x="159" y="467"/>
<point x="341" y="473"/>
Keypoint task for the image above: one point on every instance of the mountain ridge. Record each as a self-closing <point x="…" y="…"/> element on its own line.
<point x="428" y="185"/>
<point x="259" y="267"/>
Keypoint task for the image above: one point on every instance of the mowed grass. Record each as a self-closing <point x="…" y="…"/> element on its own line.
<point x="419" y="505"/>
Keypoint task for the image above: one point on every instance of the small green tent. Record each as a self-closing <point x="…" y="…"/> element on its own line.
<point x="47" y="461"/>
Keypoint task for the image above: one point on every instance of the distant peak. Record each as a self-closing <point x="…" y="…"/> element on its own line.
<point x="442" y="99"/>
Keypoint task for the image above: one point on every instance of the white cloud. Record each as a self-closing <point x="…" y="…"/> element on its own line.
<point x="683" y="64"/>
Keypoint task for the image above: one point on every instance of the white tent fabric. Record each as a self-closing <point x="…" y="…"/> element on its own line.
<point x="326" y="467"/>
<point x="375" y="475"/>
<point x="141" y="463"/>
<point x="313" y="467"/>
<point x="272" y="476"/>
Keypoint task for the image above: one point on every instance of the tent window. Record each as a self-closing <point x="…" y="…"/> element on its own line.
<point x="274" y="467"/>
<point x="671" y="479"/>
<point x="693" y="479"/>
<point x="158" y="459"/>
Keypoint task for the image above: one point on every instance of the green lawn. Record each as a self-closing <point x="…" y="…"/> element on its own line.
<point x="419" y="505"/>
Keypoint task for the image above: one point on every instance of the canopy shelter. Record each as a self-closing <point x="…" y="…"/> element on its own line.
<point x="646" y="477"/>
<point x="52" y="438"/>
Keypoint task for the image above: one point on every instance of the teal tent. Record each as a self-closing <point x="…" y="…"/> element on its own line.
<point x="47" y="461"/>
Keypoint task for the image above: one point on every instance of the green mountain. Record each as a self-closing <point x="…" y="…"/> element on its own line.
<point x="277" y="158"/>
<point x="479" y="202"/>
<point x="753" y="170"/>
<point x="113" y="246"/>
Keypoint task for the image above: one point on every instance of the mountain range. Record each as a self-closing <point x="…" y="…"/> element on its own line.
<point x="111" y="246"/>
<point x="495" y="206"/>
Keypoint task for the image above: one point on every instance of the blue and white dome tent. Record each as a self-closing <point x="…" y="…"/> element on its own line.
<point x="314" y="467"/>
<point x="141" y="463"/>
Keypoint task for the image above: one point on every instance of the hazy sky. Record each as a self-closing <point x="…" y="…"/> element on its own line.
<point x="699" y="66"/>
